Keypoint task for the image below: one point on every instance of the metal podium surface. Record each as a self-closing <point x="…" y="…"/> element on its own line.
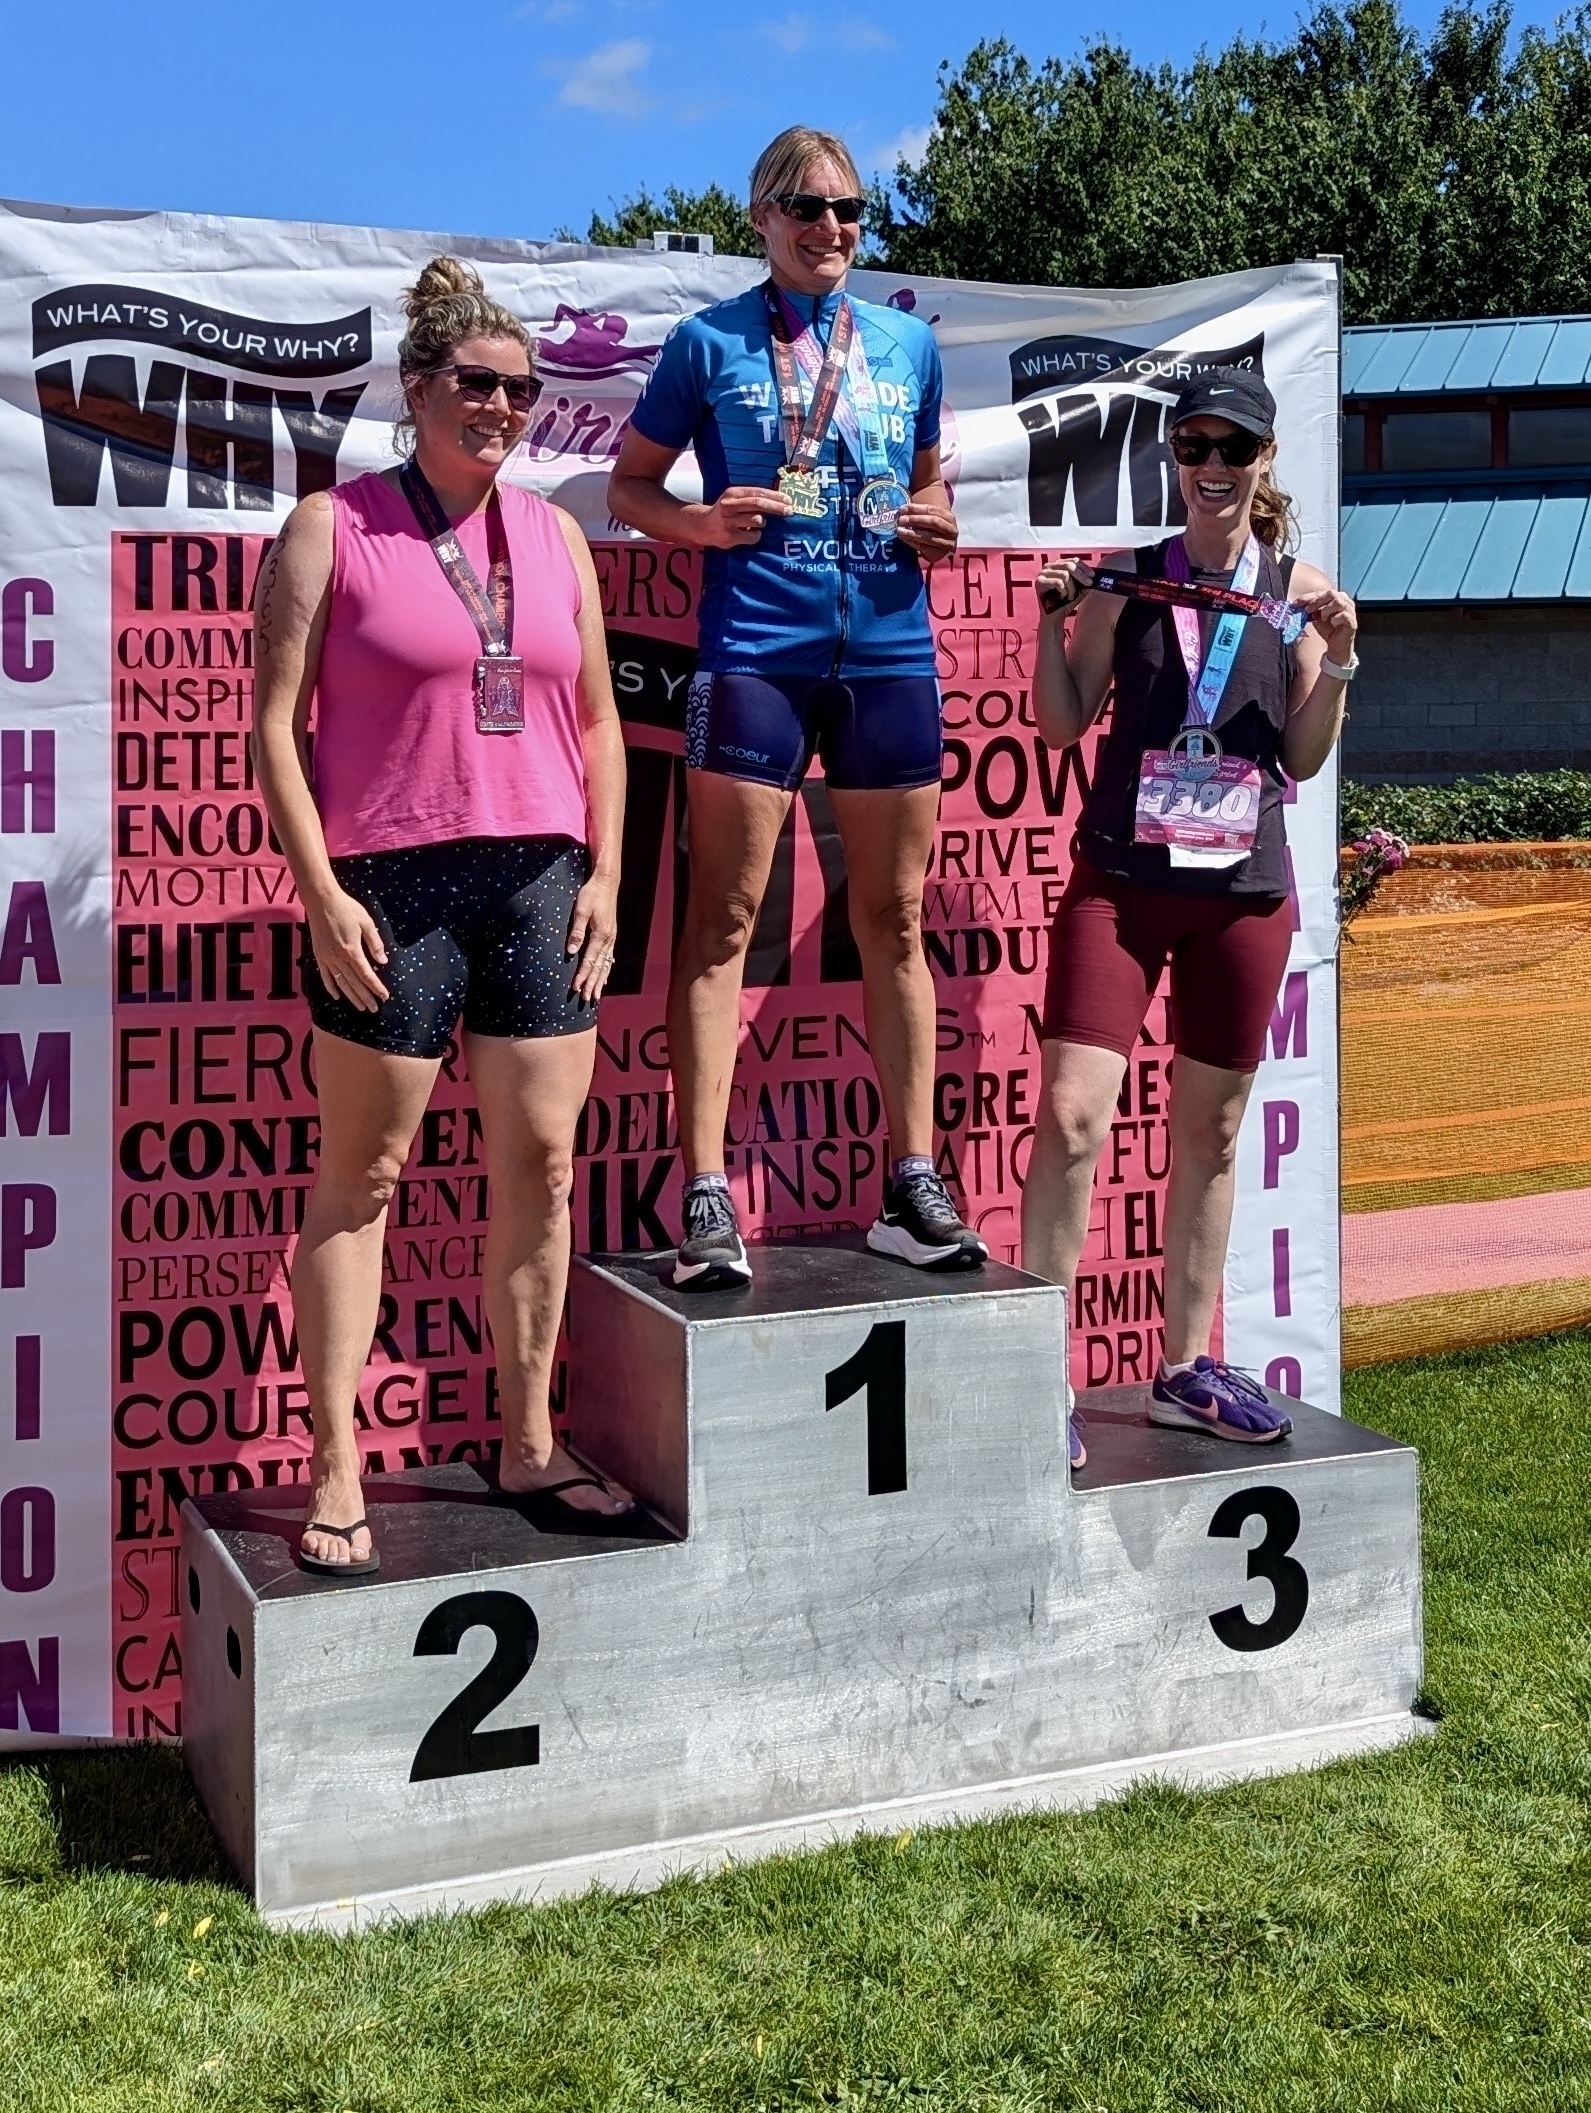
<point x="862" y="1591"/>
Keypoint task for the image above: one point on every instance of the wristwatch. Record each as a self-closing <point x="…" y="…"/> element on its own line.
<point x="1340" y="674"/>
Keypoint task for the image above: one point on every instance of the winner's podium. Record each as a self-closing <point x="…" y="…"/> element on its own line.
<point x="861" y="1593"/>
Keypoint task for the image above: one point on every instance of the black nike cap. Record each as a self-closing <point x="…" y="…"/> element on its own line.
<point x="1231" y="393"/>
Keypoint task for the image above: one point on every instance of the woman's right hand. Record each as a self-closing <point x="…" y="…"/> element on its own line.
<point x="1062" y="585"/>
<point x="736" y="518"/>
<point x="346" y="942"/>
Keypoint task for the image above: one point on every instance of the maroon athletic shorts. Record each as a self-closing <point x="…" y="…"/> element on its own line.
<point x="1111" y="942"/>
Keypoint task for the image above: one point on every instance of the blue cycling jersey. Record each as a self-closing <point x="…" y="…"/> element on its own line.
<point x="813" y="597"/>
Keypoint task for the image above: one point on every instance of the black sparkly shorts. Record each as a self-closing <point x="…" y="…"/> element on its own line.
<point x="474" y="930"/>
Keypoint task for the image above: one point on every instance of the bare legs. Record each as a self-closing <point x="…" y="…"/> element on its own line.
<point x="530" y="1093"/>
<point x="733" y="830"/>
<point x="1077" y="1098"/>
<point x="1206" y="1110"/>
<point x="734" y="827"/>
<point x="530" y="1096"/>
<point x="888" y="837"/>
<point x="1080" y="1087"/>
<point x="370" y="1108"/>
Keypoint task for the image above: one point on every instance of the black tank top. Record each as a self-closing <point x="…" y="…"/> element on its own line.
<point x="1151" y="703"/>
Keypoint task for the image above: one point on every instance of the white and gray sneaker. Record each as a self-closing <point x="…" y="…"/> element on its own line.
<point x="712" y="1255"/>
<point x="919" y="1225"/>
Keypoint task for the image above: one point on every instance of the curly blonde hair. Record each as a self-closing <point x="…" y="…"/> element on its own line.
<point x="1271" y="515"/>
<point x="446" y="304"/>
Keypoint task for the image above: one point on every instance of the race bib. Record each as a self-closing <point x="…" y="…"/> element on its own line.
<point x="1205" y="809"/>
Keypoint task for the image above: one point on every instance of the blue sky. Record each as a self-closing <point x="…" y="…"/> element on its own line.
<point x="493" y="118"/>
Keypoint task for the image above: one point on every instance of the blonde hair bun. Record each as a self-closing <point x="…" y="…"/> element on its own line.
<point x="442" y="280"/>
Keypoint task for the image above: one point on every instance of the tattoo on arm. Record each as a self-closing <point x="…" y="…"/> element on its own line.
<point x="265" y="584"/>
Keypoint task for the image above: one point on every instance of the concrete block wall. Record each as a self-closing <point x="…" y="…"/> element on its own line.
<point x="1447" y="693"/>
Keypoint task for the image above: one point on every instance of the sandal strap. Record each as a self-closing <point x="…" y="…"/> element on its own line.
<point x="343" y="1533"/>
<point x="553" y="1489"/>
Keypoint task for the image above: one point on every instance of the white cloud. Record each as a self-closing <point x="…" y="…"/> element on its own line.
<point x="857" y="35"/>
<point x="797" y="32"/>
<point x="791" y="35"/>
<point x="909" y="144"/>
<point x="607" y="80"/>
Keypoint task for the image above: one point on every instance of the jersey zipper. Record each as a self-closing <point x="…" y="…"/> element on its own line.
<point x="842" y="635"/>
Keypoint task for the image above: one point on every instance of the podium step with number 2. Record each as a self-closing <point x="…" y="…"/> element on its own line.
<point x="861" y="1591"/>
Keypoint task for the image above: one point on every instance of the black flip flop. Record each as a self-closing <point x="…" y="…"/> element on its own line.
<point x="549" y="1495"/>
<point x="365" y="1567"/>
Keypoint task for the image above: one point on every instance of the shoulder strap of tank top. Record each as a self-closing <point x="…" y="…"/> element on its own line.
<point x="491" y="609"/>
<point x="1151" y="560"/>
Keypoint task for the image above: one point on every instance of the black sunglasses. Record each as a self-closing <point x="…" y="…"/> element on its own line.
<point x="1236" y="450"/>
<point x="808" y="206"/>
<point x="478" y="385"/>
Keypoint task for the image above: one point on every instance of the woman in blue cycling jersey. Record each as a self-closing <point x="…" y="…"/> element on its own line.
<point x="815" y="422"/>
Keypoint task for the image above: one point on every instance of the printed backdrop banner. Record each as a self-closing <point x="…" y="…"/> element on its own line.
<point x="171" y="385"/>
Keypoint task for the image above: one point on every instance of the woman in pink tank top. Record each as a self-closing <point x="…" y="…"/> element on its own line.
<point x="456" y="848"/>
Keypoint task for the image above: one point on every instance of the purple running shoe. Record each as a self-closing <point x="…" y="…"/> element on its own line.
<point x="1076" y="1451"/>
<point x="1243" y="1411"/>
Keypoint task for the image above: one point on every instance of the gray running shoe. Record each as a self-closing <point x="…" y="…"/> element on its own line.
<point x="712" y="1255"/>
<point x="919" y="1224"/>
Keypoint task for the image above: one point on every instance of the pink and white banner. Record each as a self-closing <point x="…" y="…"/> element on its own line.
<point x="169" y="385"/>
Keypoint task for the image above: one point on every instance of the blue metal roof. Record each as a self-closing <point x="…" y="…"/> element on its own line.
<point x="1474" y="546"/>
<point x="1406" y="359"/>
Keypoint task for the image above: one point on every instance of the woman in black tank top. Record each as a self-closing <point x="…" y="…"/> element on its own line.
<point x="1181" y="863"/>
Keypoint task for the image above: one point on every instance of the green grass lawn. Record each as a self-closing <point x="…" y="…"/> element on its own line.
<point x="1410" y="1930"/>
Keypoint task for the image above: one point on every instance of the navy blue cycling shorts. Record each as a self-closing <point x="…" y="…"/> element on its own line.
<point x="875" y="733"/>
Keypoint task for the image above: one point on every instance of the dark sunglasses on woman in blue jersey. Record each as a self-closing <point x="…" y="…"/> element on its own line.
<point x="808" y="206"/>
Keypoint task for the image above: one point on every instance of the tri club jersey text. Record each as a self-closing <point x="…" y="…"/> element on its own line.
<point x="896" y="404"/>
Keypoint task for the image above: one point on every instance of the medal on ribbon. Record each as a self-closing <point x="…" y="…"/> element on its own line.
<point x="880" y="504"/>
<point x="499" y="671"/>
<point x="804" y="490"/>
<point x="843" y="394"/>
<point x="1204" y="806"/>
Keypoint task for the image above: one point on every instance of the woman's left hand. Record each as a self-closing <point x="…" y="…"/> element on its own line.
<point x="930" y="530"/>
<point x="592" y="931"/>
<point x="1334" y="616"/>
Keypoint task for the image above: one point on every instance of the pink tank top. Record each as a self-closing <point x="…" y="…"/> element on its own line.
<point x="397" y="759"/>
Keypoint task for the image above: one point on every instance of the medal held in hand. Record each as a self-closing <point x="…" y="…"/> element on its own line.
<point x="843" y="393"/>
<point x="499" y="671"/>
<point x="880" y="504"/>
<point x="1285" y="617"/>
<point x="804" y="490"/>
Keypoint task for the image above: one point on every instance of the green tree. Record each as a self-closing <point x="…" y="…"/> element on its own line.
<point x="1453" y="176"/>
<point x="711" y="212"/>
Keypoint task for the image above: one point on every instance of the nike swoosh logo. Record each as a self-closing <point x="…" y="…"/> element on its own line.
<point x="685" y="1271"/>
